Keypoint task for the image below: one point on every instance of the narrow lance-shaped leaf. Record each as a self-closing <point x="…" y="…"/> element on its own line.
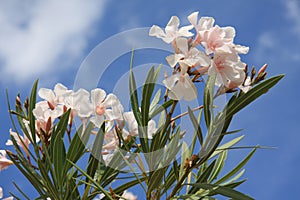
<point x="219" y="166"/>
<point x="95" y="157"/>
<point x="245" y="99"/>
<point x="133" y="93"/>
<point x="203" y="177"/>
<point x="32" y="102"/>
<point x="225" y="191"/>
<point x="227" y="145"/>
<point x="77" y="145"/>
<point x="155" y="101"/>
<point x="208" y="99"/>
<point x="107" y="195"/>
<point x="196" y="125"/>
<point x="237" y="168"/>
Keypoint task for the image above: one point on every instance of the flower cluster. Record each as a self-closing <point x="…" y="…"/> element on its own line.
<point x="94" y="106"/>
<point x="52" y="167"/>
<point x="219" y="56"/>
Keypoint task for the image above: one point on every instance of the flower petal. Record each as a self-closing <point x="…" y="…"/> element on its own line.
<point x="157" y="32"/>
<point x="97" y="96"/>
<point x="46" y="94"/>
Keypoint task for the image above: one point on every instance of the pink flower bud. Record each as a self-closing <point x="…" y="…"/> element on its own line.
<point x="262" y="69"/>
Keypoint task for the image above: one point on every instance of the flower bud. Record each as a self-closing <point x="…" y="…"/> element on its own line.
<point x="253" y="72"/>
<point x="262" y="69"/>
<point x="26" y="103"/>
<point x="18" y="102"/>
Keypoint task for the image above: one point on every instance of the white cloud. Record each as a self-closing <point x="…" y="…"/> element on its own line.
<point x="293" y="13"/>
<point x="40" y="37"/>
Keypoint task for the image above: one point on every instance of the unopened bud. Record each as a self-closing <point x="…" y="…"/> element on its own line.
<point x="253" y="72"/>
<point x="18" y="102"/>
<point x="259" y="77"/>
<point x="26" y="103"/>
<point x="51" y="106"/>
<point x="48" y="125"/>
<point x="262" y="69"/>
<point x="246" y="69"/>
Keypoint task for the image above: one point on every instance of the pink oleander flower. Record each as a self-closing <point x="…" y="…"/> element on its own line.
<point x="180" y="86"/>
<point x="201" y="26"/>
<point x="188" y="57"/>
<point x="229" y="69"/>
<point x="53" y="98"/>
<point x="46" y="116"/>
<point x="4" y="162"/>
<point x="79" y="103"/>
<point x="104" y="107"/>
<point x="22" y="141"/>
<point x="129" y="195"/>
<point x="111" y="139"/>
<point x="220" y="40"/>
<point x="133" y="126"/>
<point x="171" y="31"/>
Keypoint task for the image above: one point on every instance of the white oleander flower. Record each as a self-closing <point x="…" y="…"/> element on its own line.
<point x="180" y="86"/>
<point x="172" y="30"/>
<point x="4" y="162"/>
<point x="228" y="68"/>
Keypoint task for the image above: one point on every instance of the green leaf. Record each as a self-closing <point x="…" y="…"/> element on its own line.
<point x="208" y="99"/>
<point x="119" y="190"/>
<point x="232" y="132"/>
<point x="203" y="177"/>
<point x="147" y="91"/>
<point x="53" y="192"/>
<point x="33" y="177"/>
<point x="236" y="177"/>
<point x="225" y="191"/>
<point x="92" y="180"/>
<point x="156" y="179"/>
<point x="226" y="145"/>
<point x="95" y="156"/>
<point x="133" y="94"/>
<point x="196" y="125"/>
<point x="185" y="154"/>
<point x="234" y="184"/>
<point x="237" y="168"/>
<point x="161" y="108"/>
<point x="155" y="101"/>
<point x="32" y="102"/>
<point x="219" y="166"/>
<point x="195" y="135"/>
<point x="245" y="99"/>
<point x="77" y="145"/>
<point x="175" y="169"/>
<point x="59" y="158"/>
<point x="61" y="127"/>
<point x="132" y="169"/>
<point x="58" y="148"/>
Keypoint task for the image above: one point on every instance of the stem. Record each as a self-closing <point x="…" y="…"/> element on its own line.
<point x="185" y="113"/>
<point x="188" y="170"/>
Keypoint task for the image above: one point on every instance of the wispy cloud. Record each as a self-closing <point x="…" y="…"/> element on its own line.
<point x="293" y="13"/>
<point x="41" y="37"/>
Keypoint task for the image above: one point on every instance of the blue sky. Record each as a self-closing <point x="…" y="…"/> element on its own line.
<point x="49" y="40"/>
